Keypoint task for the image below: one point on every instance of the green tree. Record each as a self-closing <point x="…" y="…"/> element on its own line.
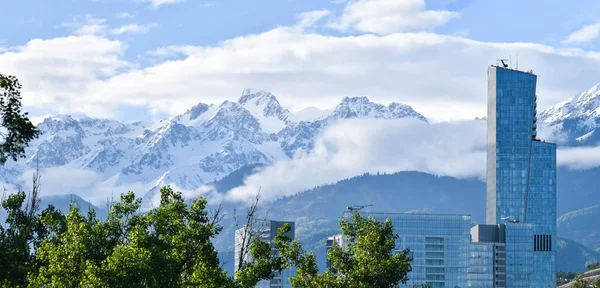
<point x="368" y="258"/>
<point x="563" y="277"/>
<point x="22" y="233"/>
<point x="16" y="131"/>
<point x="581" y="283"/>
<point x="169" y="246"/>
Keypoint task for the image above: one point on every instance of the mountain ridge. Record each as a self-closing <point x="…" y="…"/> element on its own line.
<point x="199" y="146"/>
<point x="575" y="121"/>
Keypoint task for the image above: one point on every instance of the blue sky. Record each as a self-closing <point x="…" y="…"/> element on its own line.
<point x="138" y="59"/>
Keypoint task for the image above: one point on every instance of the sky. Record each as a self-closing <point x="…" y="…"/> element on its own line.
<point x="135" y="60"/>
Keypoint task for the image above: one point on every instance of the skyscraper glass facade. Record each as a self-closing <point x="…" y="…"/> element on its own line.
<point x="481" y="266"/>
<point x="439" y="245"/>
<point x="487" y="267"/>
<point x="519" y="256"/>
<point x="521" y="178"/>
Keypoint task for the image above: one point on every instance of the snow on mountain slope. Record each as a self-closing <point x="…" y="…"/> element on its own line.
<point x="266" y="109"/>
<point x="361" y="107"/>
<point x="310" y="114"/>
<point x="574" y="121"/>
<point x="198" y="147"/>
<point x="301" y="136"/>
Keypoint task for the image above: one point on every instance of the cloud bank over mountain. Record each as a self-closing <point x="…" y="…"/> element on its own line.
<point x="441" y="76"/>
<point x="358" y="146"/>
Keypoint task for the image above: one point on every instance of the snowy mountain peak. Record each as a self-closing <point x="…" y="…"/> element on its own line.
<point x="362" y="107"/>
<point x="197" y="110"/>
<point x="60" y="123"/>
<point x="196" y="115"/>
<point x="583" y="106"/>
<point x="575" y="119"/>
<point x="399" y="110"/>
<point x="256" y="96"/>
<point x="59" y="117"/>
<point x="266" y="109"/>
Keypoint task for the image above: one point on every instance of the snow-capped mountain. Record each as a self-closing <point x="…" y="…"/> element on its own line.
<point x="361" y="107"/>
<point x="200" y="146"/>
<point x="575" y="121"/>
<point x="310" y="114"/>
<point x="301" y="135"/>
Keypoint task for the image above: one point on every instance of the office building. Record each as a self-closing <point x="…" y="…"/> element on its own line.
<point x="439" y="245"/>
<point x="266" y="231"/>
<point x="487" y="265"/>
<point x="521" y="179"/>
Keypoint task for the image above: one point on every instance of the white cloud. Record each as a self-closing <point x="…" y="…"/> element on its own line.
<point x="390" y="16"/>
<point x="57" y="72"/>
<point x="87" y="25"/>
<point x="131" y="28"/>
<point x="157" y="3"/>
<point x="60" y="180"/>
<point x="309" y="19"/>
<point x="585" y="34"/>
<point x="87" y="184"/>
<point x="125" y="15"/>
<point x="354" y="147"/>
<point x="579" y="158"/>
<point x="443" y="77"/>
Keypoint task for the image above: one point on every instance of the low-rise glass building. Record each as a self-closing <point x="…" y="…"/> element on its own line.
<point x="439" y="245"/>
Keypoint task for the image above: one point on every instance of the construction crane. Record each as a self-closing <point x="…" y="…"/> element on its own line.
<point x="356" y="207"/>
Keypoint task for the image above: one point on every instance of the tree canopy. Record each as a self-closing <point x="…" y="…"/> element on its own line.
<point x="170" y="246"/>
<point x="16" y="131"/>
<point x="368" y="258"/>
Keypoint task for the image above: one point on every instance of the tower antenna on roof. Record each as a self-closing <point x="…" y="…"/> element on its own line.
<point x="505" y="65"/>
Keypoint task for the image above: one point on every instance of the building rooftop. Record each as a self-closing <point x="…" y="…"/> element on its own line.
<point x="530" y="72"/>
<point x="420" y="214"/>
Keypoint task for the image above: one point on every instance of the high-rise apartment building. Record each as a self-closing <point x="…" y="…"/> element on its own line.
<point x="521" y="178"/>
<point x="266" y="231"/>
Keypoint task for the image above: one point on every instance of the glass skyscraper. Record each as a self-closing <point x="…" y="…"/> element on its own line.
<point x="521" y="179"/>
<point x="438" y="243"/>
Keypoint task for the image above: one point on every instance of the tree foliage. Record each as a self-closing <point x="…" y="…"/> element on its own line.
<point x="368" y="258"/>
<point x="581" y="283"/>
<point x="563" y="277"/>
<point x="168" y="246"/>
<point x="16" y="131"/>
<point x="171" y="246"/>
